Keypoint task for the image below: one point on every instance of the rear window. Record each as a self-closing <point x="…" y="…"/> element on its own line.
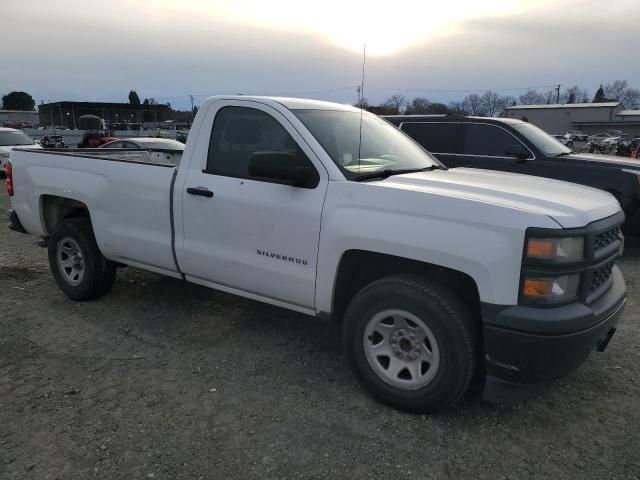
<point x="435" y="137"/>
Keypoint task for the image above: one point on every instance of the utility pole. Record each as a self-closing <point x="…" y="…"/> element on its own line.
<point x="191" y="116"/>
<point x="558" y="93"/>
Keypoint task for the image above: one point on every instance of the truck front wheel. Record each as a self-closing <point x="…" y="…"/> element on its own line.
<point x="411" y="342"/>
<point x="77" y="265"/>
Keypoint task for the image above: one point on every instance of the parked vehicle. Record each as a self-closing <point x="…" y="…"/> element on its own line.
<point x="564" y="140"/>
<point x="628" y="147"/>
<point x="515" y="146"/>
<point x="11" y="138"/>
<point x="593" y="146"/>
<point x="52" y="141"/>
<point x="577" y="136"/>
<point x="162" y="149"/>
<point x="438" y="275"/>
<point x="94" y="139"/>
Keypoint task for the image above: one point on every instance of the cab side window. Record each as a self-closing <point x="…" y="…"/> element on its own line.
<point x="240" y="132"/>
<point x="487" y="140"/>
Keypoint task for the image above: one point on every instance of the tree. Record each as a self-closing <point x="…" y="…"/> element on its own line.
<point x="615" y="90"/>
<point x="457" y="108"/>
<point x="361" y="103"/>
<point x="632" y="98"/>
<point x="18" y="101"/>
<point x="134" y="99"/>
<point x="438" y="109"/>
<point x="417" y="106"/>
<point x="473" y="104"/>
<point x="531" y="97"/>
<point x="395" y="103"/>
<point x="574" y="94"/>
<point x="599" y="97"/>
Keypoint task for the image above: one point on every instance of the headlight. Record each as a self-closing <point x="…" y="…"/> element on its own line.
<point x="558" y="250"/>
<point x="551" y="289"/>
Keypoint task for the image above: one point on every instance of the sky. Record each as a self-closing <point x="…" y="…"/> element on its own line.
<point x="443" y="50"/>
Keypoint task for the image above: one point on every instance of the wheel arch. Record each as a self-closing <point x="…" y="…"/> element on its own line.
<point x="55" y="208"/>
<point x="358" y="268"/>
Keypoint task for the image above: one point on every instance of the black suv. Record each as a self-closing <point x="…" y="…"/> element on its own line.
<point x="515" y="146"/>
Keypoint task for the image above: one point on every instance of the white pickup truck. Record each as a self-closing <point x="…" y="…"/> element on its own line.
<point x="438" y="276"/>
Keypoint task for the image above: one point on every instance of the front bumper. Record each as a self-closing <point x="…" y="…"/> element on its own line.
<point x="526" y="346"/>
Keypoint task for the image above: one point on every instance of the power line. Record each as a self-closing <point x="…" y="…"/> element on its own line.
<point x="435" y="90"/>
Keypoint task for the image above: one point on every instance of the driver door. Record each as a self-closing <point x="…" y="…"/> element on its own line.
<point x="246" y="234"/>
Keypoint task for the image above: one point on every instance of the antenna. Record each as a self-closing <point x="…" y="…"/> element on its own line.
<point x="361" y="91"/>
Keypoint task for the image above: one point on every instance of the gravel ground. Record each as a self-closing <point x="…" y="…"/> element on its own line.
<point x="160" y="379"/>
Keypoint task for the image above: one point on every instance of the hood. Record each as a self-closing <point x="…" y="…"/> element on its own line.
<point x="570" y="205"/>
<point x="607" y="159"/>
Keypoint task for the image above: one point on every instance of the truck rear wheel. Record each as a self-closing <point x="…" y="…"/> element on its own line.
<point x="411" y="342"/>
<point x="77" y="265"/>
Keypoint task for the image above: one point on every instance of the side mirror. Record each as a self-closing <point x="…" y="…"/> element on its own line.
<point x="282" y="167"/>
<point x="517" y="151"/>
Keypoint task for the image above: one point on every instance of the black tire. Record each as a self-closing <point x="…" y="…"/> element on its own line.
<point x="443" y="313"/>
<point x="98" y="272"/>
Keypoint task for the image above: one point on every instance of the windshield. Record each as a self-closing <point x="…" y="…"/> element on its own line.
<point x="542" y="140"/>
<point x="11" y="138"/>
<point x="383" y="146"/>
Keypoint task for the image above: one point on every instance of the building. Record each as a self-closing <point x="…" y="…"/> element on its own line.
<point x="67" y="113"/>
<point x="11" y="118"/>
<point x="588" y="117"/>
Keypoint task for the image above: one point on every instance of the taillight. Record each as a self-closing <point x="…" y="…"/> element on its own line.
<point x="7" y="172"/>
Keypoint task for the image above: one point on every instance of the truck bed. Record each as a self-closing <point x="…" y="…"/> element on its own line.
<point x="127" y="192"/>
<point x="157" y="156"/>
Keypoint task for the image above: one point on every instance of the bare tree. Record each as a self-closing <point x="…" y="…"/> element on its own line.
<point x="473" y="104"/>
<point x="491" y="103"/>
<point x="457" y="108"/>
<point x="396" y="103"/>
<point x="362" y="103"/>
<point x="531" y="97"/>
<point x="574" y="94"/>
<point x="616" y="90"/>
<point x="632" y="98"/>
<point x="418" y="105"/>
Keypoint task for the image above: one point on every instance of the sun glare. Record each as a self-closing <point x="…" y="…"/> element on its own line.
<point x="385" y="27"/>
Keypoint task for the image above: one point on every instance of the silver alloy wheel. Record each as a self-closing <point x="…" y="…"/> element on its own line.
<point x="70" y="261"/>
<point x="401" y="349"/>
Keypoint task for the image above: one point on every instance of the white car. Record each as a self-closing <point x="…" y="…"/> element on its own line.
<point x="437" y="275"/>
<point x="11" y="138"/>
<point x="577" y="135"/>
<point x="563" y="139"/>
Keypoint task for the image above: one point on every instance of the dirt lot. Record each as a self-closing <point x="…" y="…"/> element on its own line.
<point x="161" y="379"/>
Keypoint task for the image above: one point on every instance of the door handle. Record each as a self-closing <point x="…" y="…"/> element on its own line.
<point x="200" y="191"/>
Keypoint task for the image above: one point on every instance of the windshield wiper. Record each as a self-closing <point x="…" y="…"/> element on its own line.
<point x="563" y="154"/>
<point x="388" y="172"/>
